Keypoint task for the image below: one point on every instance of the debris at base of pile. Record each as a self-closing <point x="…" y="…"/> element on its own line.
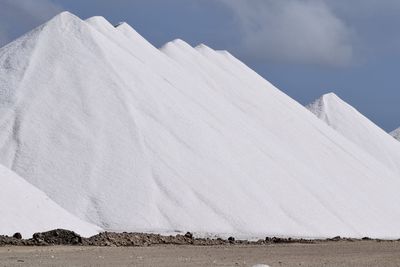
<point x="111" y="239"/>
<point x="58" y="237"/>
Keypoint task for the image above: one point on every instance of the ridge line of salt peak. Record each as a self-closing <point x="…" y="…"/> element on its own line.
<point x="203" y="46"/>
<point x="324" y="100"/>
<point x="176" y="42"/>
<point x="100" y="21"/>
<point x="126" y="28"/>
<point x="63" y="17"/>
<point x="330" y="94"/>
<point x="318" y="105"/>
<point x="122" y="24"/>
<point x="224" y="52"/>
<point x="329" y="97"/>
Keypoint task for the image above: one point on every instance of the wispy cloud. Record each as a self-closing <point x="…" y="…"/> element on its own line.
<point x="300" y="31"/>
<point x="19" y="16"/>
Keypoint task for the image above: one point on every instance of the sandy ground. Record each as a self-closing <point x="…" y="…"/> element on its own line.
<point x="363" y="253"/>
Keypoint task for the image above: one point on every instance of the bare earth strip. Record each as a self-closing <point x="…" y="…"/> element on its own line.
<point x="359" y="253"/>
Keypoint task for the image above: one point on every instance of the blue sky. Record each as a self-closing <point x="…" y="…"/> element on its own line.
<point x="305" y="47"/>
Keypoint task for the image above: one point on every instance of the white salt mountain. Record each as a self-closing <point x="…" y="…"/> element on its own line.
<point x="25" y="209"/>
<point x="132" y="138"/>
<point x="396" y="134"/>
<point x="359" y="129"/>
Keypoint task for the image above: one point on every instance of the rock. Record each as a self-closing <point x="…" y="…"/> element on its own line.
<point x="336" y="238"/>
<point x="276" y="240"/>
<point x="17" y="236"/>
<point x="189" y="235"/>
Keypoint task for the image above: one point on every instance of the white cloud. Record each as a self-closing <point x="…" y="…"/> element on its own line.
<point x="20" y="16"/>
<point x="301" y="31"/>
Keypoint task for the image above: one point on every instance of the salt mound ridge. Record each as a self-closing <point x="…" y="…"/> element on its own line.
<point x="133" y="138"/>
<point x="396" y="134"/>
<point x="25" y="209"/>
<point x="359" y="129"/>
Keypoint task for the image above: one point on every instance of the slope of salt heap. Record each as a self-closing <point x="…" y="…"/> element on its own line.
<point x="132" y="138"/>
<point x="359" y="129"/>
<point x="396" y="134"/>
<point x="25" y="209"/>
<point x="131" y="34"/>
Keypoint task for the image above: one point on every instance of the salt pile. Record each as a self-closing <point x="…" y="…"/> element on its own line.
<point x="359" y="129"/>
<point x="133" y="138"/>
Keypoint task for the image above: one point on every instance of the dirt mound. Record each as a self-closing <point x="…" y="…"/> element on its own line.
<point x="58" y="237"/>
<point x="53" y="237"/>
